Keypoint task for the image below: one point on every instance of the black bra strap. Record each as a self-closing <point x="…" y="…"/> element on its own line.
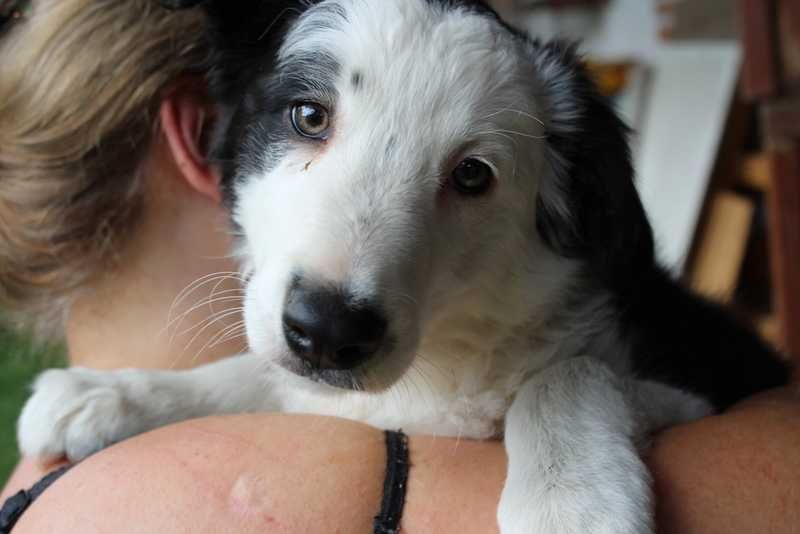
<point x="394" y="486"/>
<point x="16" y="505"/>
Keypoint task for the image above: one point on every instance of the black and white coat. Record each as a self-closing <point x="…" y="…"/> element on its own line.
<point x="465" y="195"/>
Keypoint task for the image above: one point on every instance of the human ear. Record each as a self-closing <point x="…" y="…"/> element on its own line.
<point x="185" y="115"/>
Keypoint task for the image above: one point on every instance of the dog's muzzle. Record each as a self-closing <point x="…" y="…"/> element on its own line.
<point x="329" y="329"/>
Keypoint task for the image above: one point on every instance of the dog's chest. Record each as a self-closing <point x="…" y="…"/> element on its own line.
<point x="464" y="397"/>
<point x="415" y="410"/>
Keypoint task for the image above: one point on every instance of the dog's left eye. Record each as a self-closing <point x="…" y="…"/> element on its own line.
<point x="311" y="120"/>
<point x="472" y="177"/>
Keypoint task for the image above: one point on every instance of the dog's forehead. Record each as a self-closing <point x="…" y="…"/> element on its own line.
<point x="411" y="46"/>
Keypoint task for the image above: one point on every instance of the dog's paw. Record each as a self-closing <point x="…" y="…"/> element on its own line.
<point x="577" y="506"/>
<point x="74" y="413"/>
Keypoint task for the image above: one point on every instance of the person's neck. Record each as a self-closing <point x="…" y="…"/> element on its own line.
<point x="155" y="309"/>
<point x="139" y="323"/>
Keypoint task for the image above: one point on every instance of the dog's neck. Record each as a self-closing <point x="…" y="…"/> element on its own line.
<point x="480" y="337"/>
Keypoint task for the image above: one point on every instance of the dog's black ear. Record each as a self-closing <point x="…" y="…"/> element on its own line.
<point x="588" y="207"/>
<point x="245" y="28"/>
<point x="244" y="35"/>
<point x="243" y="21"/>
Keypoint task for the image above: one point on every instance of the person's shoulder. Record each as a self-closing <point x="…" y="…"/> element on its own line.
<point x="733" y="472"/>
<point x="222" y="474"/>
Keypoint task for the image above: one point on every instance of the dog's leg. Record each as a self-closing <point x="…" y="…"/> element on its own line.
<point x="574" y="468"/>
<point x="76" y="412"/>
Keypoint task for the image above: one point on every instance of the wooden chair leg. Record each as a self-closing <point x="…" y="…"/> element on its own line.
<point x="721" y="246"/>
<point x="784" y="210"/>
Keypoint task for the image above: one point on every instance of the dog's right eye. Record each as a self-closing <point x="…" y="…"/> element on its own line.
<point x="311" y="120"/>
<point x="472" y="177"/>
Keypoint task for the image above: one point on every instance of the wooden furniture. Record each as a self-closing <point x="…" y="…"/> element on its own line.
<point x="771" y="79"/>
<point x="721" y="246"/>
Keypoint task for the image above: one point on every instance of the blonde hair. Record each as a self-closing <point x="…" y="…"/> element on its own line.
<point x="80" y="84"/>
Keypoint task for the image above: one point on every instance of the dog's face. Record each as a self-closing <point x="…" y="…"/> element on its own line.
<point x="389" y="171"/>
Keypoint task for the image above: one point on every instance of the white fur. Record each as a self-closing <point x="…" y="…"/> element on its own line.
<point x="472" y="295"/>
<point x="572" y="462"/>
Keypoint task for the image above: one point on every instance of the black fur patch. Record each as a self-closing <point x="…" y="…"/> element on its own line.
<point x="605" y="224"/>
<point x="252" y="106"/>
<point x="680" y="339"/>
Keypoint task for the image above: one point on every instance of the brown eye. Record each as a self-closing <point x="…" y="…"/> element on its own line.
<point x="472" y="177"/>
<point x="310" y="120"/>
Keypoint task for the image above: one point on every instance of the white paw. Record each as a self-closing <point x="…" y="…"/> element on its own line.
<point x="74" y="413"/>
<point x="601" y="503"/>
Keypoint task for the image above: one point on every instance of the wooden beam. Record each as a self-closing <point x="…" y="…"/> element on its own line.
<point x="784" y="212"/>
<point x="755" y="172"/>
<point x="759" y="71"/>
<point x="769" y="328"/>
<point x="789" y="38"/>
<point x="722" y="246"/>
<point x="780" y="119"/>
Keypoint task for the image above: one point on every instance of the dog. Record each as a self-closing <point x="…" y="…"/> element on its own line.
<point x="440" y="232"/>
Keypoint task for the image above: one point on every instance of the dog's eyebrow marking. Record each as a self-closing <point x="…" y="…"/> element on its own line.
<point x="356" y="80"/>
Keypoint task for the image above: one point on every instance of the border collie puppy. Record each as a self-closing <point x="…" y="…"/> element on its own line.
<point x="440" y="233"/>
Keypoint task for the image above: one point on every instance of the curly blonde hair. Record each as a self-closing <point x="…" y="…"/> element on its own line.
<point x="80" y="84"/>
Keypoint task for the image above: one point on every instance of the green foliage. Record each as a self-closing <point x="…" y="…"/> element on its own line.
<point x="20" y="361"/>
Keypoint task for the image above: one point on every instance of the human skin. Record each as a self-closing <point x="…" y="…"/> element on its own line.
<point x="737" y="472"/>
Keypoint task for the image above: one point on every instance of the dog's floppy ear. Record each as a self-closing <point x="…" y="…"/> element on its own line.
<point x="588" y="207"/>
<point x="244" y="35"/>
<point x="241" y="22"/>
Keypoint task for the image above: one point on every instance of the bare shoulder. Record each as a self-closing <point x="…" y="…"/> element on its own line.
<point x="735" y="472"/>
<point x="289" y="473"/>
<point x="253" y="473"/>
<point x="268" y="473"/>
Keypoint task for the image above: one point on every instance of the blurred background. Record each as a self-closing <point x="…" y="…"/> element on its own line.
<point x="711" y="89"/>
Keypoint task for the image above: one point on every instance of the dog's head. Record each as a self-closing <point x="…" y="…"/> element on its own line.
<point x="410" y="176"/>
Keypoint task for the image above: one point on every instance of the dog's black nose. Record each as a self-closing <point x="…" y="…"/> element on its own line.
<point x="330" y="330"/>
